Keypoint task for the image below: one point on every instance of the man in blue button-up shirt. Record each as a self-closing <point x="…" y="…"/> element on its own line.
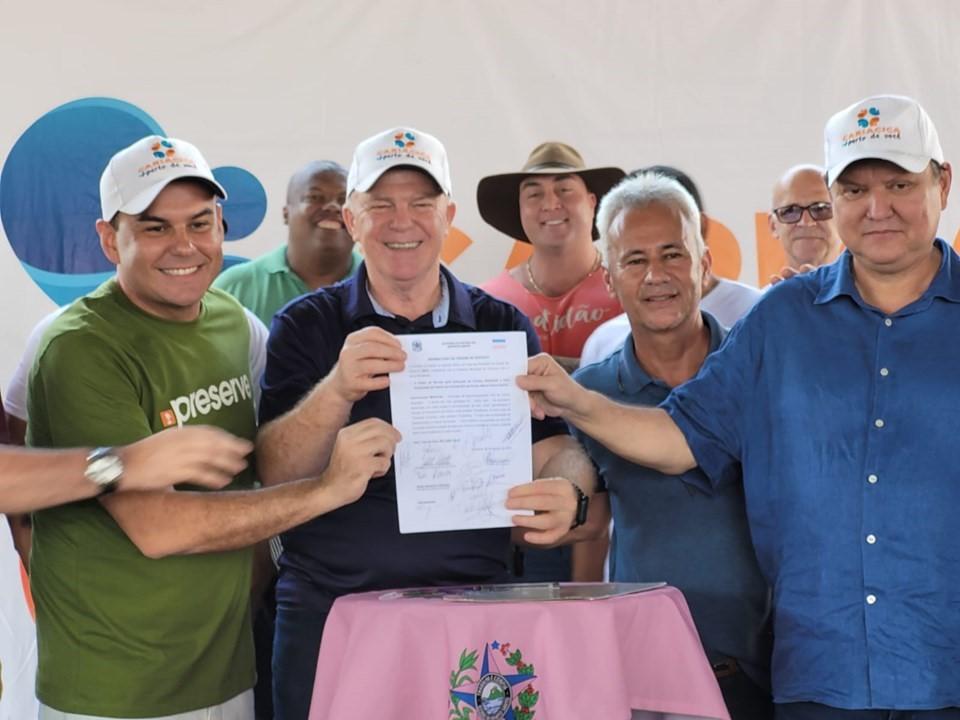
<point x="834" y="401"/>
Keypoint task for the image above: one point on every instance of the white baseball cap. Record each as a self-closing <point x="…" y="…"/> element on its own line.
<point x="137" y="174"/>
<point x="882" y="127"/>
<point x="399" y="147"/>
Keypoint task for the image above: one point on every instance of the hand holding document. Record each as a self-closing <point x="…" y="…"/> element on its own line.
<point x="465" y="427"/>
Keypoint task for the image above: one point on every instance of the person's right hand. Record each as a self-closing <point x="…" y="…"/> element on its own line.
<point x="552" y="391"/>
<point x="788" y="272"/>
<point x="199" y="455"/>
<point x="366" y="359"/>
<point x="362" y="451"/>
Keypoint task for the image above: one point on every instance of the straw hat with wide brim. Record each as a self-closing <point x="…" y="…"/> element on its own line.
<point x="498" y="196"/>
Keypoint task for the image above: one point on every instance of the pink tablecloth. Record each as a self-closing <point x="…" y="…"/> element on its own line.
<point x="398" y="659"/>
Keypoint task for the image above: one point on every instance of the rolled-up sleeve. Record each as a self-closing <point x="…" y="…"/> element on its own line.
<point x="712" y="409"/>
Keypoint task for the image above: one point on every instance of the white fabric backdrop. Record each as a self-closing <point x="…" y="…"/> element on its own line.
<point x="733" y="92"/>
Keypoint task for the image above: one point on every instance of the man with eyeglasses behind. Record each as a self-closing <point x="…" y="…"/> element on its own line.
<point x="802" y="217"/>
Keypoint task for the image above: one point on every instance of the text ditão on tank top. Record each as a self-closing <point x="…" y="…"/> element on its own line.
<point x="552" y="322"/>
<point x="205" y="400"/>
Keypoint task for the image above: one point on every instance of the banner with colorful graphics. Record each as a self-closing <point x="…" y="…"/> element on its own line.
<point x="732" y="93"/>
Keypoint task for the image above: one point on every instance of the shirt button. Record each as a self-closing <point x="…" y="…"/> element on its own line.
<point x="884" y="372"/>
<point x="878" y="422"/>
<point x="871" y="599"/>
<point x="888" y="322"/>
<point x="872" y="479"/>
<point x="871" y="539"/>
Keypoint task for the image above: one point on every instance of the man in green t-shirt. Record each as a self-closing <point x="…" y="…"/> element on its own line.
<point x="319" y="251"/>
<point x="142" y="598"/>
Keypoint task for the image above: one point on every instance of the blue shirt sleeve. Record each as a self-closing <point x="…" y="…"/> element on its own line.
<point x="712" y="409"/>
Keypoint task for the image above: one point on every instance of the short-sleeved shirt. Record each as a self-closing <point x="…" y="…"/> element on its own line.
<point x="665" y="529"/>
<point x="267" y="283"/>
<point x="120" y="634"/>
<point x="563" y="323"/>
<point x="841" y="420"/>
<point x="15" y="401"/>
<point x="359" y="546"/>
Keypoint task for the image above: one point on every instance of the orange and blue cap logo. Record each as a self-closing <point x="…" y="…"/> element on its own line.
<point x="162" y="149"/>
<point x="404" y="139"/>
<point x="869" y="128"/>
<point x="868" y="117"/>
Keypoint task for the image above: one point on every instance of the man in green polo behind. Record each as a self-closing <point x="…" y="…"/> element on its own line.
<point x="318" y="251"/>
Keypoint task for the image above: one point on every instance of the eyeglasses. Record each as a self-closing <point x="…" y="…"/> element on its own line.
<point x="791" y="214"/>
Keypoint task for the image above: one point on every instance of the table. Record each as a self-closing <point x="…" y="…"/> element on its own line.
<point x="634" y="656"/>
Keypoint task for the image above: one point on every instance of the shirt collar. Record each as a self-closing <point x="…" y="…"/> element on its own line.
<point x="632" y="378"/>
<point x="275" y="261"/>
<point x="454" y="305"/>
<point x="838" y="280"/>
<point x="440" y="313"/>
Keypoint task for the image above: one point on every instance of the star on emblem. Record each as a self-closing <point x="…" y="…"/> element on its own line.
<point x="493" y="691"/>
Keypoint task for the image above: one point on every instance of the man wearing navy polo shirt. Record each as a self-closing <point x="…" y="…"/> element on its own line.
<point x="834" y="400"/>
<point x="329" y="356"/>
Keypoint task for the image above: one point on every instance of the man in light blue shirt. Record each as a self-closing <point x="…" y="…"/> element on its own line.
<point x="834" y="402"/>
<point x="656" y="265"/>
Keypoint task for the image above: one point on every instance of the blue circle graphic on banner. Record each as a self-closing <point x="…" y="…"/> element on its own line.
<point x="50" y="188"/>
<point x="246" y="203"/>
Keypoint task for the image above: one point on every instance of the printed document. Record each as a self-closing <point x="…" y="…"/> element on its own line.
<point x="465" y="427"/>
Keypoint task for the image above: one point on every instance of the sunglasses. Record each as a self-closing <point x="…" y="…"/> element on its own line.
<point x="791" y="214"/>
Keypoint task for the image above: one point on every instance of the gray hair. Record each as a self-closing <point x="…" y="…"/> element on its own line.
<point x="640" y="191"/>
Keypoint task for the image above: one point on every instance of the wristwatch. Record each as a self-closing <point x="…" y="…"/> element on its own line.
<point x="583" y="503"/>
<point x="104" y="469"/>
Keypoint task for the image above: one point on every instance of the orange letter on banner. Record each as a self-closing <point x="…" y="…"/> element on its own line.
<point x="724" y="249"/>
<point x="521" y="253"/>
<point x="454" y="244"/>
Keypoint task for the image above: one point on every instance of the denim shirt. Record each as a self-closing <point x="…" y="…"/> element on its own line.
<point x="841" y="421"/>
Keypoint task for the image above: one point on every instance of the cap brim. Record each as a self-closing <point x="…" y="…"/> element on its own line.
<point x="142" y="200"/>
<point x="910" y="163"/>
<point x="498" y="196"/>
<point x="371" y="180"/>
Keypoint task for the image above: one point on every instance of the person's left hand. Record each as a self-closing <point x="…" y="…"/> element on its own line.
<point x="554" y="503"/>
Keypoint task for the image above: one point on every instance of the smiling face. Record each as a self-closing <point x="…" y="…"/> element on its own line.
<point x="167" y="256"/>
<point x="807" y="241"/>
<point x="400" y="223"/>
<point x="655" y="269"/>
<point x="556" y="210"/>
<point x="887" y="216"/>
<point x="313" y="211"/>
